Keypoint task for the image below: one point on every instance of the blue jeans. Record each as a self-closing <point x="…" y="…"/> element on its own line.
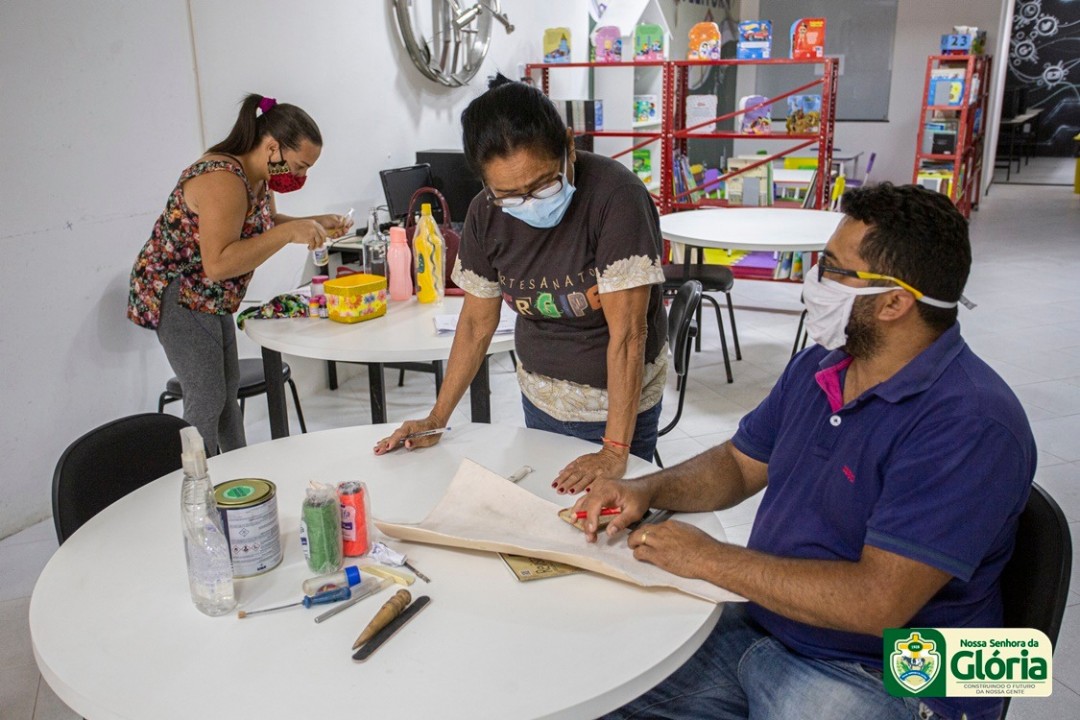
<point x="743" y="672"/>
<point x="645" y="431"/>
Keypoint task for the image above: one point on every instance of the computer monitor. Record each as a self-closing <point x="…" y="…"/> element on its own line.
<point x="399" y="184"/>
<point x="453" y="179"/>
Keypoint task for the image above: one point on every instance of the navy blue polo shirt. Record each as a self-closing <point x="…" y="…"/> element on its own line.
<point x="934" y="464"/>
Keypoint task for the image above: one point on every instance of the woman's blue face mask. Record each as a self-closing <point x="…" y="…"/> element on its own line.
<point x="545" y="212"/>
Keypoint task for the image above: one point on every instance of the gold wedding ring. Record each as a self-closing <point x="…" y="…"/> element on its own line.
<point x="644" y="535"/>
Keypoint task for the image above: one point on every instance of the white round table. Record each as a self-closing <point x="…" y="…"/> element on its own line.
<point x="406" y="334"/>
<point x="779" y="229"/>
<point x="116" y="636"/>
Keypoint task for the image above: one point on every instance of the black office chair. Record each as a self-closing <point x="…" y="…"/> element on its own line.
<point x="252" y="383"/>
<point x="682" y="328"/>
<point x="110" y="461"/>
<point x="1035" y="582"/>
<point x="713" y="278"/>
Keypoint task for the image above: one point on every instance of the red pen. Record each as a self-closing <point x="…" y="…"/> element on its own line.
<point x="581" y="514"/>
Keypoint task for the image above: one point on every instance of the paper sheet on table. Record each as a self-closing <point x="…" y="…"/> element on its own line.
<point x="483" y="511"/>
<point x="447" y="324"/>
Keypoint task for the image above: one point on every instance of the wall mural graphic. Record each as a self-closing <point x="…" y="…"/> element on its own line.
<point x="1044" y="63"/>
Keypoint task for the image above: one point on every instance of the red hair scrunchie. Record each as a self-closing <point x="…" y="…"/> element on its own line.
<point x="266" y="104"/>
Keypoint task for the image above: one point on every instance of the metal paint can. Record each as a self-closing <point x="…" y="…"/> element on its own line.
<point x="249" y="514"/>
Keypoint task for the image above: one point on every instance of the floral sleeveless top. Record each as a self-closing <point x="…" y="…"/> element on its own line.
<point x="173" y="252"/>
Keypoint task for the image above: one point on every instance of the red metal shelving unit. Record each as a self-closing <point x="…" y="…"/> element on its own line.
<point x="823" y="138"/>
<point x="675" y="135"/>
<point x="966" y="160"/>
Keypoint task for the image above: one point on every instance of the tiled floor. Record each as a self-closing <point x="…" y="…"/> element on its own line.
<point x="1027" y="247"/>
<point x="1039" y="171"/>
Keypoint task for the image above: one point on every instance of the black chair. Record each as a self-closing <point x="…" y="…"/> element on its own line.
<point x="252" y="383"/>
<point x="713" y="278"/>
<point x="109" y="462"/>
<point x="682" y="328"/>
<point x="1035" y="582"/>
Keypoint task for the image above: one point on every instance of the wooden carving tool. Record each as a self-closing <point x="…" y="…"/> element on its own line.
<point x="390" y="610"/>
<point x="388" y="632"/>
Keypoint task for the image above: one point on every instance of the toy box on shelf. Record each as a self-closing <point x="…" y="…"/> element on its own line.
<point x="607" y="44"/>
<point x="645" y="110"/>
<point x="808" y="39"/>
<point x="642" y="166"/>
<point x="964" y="40"/>
<point x="557" y="45"/>
<point x="755" y="40"/>
<point x="581" y="116"/>
<point x="804" y="114"/>
<point x="701" y="109"/>
<point x="757" y="115"/>
<point x="946" y="86"/>
<point x="704" y="42"/>
<point x="649" y="42"/>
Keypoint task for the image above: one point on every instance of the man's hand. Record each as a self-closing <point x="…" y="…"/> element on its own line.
<point x="675" y="546"/>
<point x="632" y="497"/>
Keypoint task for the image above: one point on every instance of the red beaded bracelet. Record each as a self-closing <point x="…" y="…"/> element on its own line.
<point x="616" y="443"/>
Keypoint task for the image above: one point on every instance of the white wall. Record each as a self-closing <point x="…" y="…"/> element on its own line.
<point x="101" y="112"/>
<point x="98" y="117"/>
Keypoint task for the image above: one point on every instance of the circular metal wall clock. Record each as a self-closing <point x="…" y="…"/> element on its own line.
<point x="448" y="39"/>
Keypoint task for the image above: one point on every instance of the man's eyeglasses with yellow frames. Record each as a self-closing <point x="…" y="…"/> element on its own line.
<point x="824" y="269"/>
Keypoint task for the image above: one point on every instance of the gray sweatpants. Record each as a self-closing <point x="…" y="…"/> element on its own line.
<point x="202" y="352"/>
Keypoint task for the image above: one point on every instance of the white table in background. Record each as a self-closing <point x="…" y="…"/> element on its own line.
<point x="770" y="229"/>
<point x="753" y="229"/>
<point x="406" y="334"/>
<point x="116" y="636"/>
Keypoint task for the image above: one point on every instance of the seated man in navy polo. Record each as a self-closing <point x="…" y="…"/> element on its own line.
<point x="895" y="464"/>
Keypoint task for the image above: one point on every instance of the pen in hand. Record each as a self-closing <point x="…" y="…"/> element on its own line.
<point x="582" y="514"/>
<point x="425" y="433"/>
<point x="388" y="444"/>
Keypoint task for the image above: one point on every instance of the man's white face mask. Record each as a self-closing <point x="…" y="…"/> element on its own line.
<point x="828" y="307"/>
<point x="828" y="303"/>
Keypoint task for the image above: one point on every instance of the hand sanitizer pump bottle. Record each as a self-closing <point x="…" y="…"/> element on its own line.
<point x="209" y="566"/>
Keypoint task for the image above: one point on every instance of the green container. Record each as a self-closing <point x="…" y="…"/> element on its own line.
<point x="320" y="533"/>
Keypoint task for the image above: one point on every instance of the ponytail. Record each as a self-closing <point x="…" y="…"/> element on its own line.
<point x="287" y="124"/>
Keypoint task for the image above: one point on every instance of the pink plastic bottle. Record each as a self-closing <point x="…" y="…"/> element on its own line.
<point x="399" y="265"/>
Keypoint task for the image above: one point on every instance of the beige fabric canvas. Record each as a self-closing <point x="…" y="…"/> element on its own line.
<point x="483" y="511"/>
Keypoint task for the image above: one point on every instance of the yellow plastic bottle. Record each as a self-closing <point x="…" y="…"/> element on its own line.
<point x="428" y="253"/>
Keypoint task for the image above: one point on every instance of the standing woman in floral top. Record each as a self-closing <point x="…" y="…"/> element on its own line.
<point x="219" y="224"/>
<point x="571" y="242"/>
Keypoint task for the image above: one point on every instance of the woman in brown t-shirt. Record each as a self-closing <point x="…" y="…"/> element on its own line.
<point x="571" y="242"/>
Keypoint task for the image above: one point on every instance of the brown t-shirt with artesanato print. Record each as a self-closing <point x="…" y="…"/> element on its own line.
<point x="555" y="280"/>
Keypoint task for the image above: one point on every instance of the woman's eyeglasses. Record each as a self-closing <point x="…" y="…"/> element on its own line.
<point x="543" y="192"/>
